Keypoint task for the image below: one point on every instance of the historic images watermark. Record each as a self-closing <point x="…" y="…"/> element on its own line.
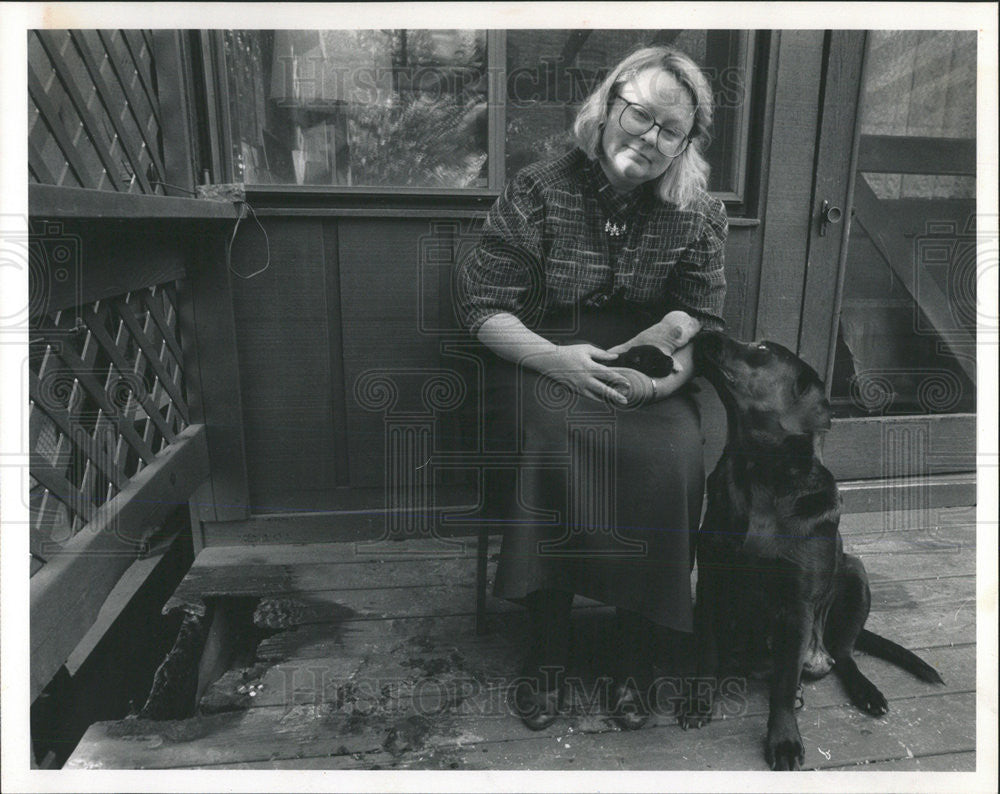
<point x="468" y="696"/>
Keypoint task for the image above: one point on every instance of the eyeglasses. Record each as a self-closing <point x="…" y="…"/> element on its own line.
<point x="636" y="120"/>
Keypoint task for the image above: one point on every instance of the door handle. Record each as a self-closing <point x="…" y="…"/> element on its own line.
<point x="828" y="214"/>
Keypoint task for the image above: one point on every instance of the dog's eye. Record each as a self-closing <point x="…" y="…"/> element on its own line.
<point x="759" y="355"/>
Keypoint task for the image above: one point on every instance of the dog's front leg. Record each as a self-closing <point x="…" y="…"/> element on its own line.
<point x="791" y="640"/>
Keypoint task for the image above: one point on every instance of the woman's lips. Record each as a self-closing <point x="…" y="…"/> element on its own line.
<point x="638" y="154"/>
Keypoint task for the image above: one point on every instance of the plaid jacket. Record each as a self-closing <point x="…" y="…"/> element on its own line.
<point x="544" y="247"/>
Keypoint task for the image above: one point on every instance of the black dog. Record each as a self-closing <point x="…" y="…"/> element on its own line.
<point x="773" y="578"/>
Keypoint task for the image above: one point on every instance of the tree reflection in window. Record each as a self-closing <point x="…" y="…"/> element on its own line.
<point x="359" y="107"/>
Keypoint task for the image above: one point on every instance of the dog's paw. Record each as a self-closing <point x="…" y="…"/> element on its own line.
<point x="784" y="750"/>
<point x="785" y="755"/>
<point x="870" y="700"/>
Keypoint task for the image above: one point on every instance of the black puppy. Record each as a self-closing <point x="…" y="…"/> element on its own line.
<point x="772" y="572"/>
<point x="647" y="359"/>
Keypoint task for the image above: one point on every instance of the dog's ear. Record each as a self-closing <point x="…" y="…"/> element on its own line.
<point x="824" y="419"/>
<point x="811" y="414"/>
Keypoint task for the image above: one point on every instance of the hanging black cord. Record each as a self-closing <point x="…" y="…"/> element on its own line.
<point x="241" y="203"/>
<point x="232" y="238"/>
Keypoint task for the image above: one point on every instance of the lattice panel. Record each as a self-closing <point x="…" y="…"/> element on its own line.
<point x="93" y="113"/>
<point x="107" y="394"/>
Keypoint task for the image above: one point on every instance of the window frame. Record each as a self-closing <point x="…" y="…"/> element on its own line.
<point x="752" y="57"/>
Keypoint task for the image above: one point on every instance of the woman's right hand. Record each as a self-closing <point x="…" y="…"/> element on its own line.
<point x="579" y="367"/>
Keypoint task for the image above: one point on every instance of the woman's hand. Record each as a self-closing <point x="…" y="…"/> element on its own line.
<point x="579" y="367"/>
<point x="640" y="389"/>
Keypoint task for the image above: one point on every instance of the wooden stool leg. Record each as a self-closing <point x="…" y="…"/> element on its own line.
<point x="482" y="553"/>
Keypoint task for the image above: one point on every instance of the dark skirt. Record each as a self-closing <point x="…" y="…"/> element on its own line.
<point x="608" y="499"/>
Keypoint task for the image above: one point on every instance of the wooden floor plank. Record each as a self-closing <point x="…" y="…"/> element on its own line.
<point x="203" y="582"/>
<point x="964" y="761"/>
<point x="841" y="732"/>
<point x="931" y="521"/>
<point x="912" y="612"/>
<point x="333" y="553"/>
<point x="926" y="613"/>
<point x="888" y="557"/>
<point x="736" y="744"/>
<point x="317" y="640"/>
<point x="920" y="524"/>
<point x="403" y="722"/>
<point x="954" y="541"/>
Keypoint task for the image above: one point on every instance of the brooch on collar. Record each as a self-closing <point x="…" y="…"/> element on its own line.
<point x="614" y="230"/>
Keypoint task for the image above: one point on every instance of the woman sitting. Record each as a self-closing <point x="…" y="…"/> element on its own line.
<point x="613" y="245"/>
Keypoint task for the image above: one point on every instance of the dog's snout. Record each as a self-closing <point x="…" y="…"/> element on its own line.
<point x="709" y="343"/>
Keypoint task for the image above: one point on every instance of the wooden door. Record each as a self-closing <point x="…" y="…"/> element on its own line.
<point x="888" y="306"/>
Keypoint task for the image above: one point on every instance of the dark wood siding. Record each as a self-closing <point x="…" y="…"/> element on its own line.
<point x="346" y="300"/>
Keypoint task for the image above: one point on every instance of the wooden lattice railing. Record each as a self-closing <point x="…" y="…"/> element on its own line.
<point x="115" y="450"/>
<point x="94" y="118"/>
<point x="107" y="394"/>
<point x="131" y="374"/>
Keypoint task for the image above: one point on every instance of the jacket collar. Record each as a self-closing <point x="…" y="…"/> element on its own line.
<point x="613" y="203"/>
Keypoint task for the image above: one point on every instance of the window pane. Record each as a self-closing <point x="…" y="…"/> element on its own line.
<point x="550" y="72"/>
<point x="359" y="107"/>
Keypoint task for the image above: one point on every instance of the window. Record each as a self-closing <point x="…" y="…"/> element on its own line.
<point x="417" y="108"/>
<point x="358" y="107"/>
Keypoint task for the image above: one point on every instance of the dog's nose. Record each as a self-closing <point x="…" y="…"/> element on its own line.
<point x="708" y="342"/>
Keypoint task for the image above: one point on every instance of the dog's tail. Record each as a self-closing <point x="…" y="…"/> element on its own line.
<point x="879" y="646"/>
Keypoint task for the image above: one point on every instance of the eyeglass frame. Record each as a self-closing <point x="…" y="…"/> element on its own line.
<point x="654" y="123"/>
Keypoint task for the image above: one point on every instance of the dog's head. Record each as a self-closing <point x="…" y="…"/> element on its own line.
<point x="768" y="391"/>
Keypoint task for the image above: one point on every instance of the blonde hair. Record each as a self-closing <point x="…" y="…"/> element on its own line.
<point x="687" y="174"/>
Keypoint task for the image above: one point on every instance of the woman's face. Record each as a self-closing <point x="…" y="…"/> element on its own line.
<point x="628" y="159"/>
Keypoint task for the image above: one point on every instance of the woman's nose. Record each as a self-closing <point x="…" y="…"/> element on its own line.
<point x="649" y="136"/>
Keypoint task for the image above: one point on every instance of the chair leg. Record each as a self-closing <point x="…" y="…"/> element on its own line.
<point x="482" y="554"/>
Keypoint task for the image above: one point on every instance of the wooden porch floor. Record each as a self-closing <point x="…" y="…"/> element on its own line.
<point x="371" y="662"/>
